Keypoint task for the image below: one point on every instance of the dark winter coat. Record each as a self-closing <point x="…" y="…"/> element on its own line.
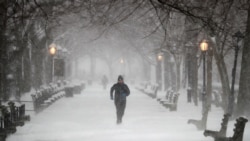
<point x="121" y="91"/>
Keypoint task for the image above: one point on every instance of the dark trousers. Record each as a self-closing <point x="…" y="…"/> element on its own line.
<point x="120" y="108"/>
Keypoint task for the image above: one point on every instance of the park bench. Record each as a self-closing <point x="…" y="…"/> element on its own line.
<point x="54" y="93"/>
<point x="77" y="88"/>
<point x="38" y="101"/>
<point x="17" y="114"/>
<point x="238" y="131"/>
<point x="216" y="98"/>
<point x="170" y="101"/>
<point x="148" y="89"/>
<point x="69" y="91"/>
<point x="6" y="124"/>
<point x="46" y="96"/>
<point x="21" y="113"/>
<point x="10" y="117"/>
<point x="222" y="131"/>
<point x="168" y="93"/>
<point x="142" y="86"/>
<point x="151" y="90"/>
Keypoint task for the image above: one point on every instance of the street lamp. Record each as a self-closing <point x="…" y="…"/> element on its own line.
<point x="52" y="51"/>
<point x="201" y="124"/>
<point x="121" y="61"/>
<point x="236" y="39"/>
<point x="123" y="67"/>
<point x="161" y="59"/>
<point x="204" y="48"/>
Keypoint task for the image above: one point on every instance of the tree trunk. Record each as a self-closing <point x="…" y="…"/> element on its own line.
<point x="173" y="75"/>
<point x="37" y="61"/>
<point x="195" y="76"/>
<point x="3" y="62"/>
<point x="146" y="72"/>
<point x="92" y="66"/>
<point x="3" y="53"/>
<point x="177" y="62"/>
<point x="243" y="102"/>
<point x="223" y="75"/>
<point x="193" y="73"/>
<point x="209" y="77"/>
<point x="178" y="75"/>
<point x="166" y="70"/>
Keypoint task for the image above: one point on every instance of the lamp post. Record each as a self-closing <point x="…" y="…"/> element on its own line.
<point x="172" y="74"/>
<point x="201" y="124"/>
<point x="121" y="61"/>
<point x="161" y="59"/>
<point x="123" y="71"/>
<point x="52" y="51"/>
<point x="204" y="48"/>
<point x="236" y="39"/>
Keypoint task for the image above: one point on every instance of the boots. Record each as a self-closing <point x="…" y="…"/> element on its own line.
<point x="119" y="121"/>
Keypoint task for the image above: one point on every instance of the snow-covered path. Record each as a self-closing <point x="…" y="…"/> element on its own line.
<point x="90" y="116"/>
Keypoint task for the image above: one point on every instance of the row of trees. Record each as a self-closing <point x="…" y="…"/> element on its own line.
<point x="215" y="21"/>
<point x="25" y="33"/>
<point x="177" y="24"/>
<point x="29" y="26"/>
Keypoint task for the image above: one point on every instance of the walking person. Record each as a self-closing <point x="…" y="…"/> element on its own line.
<point x="104" y="82"/>
<point x="121" y="92"/>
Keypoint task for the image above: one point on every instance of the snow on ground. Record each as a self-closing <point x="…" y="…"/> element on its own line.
<point x="90" y="116"/>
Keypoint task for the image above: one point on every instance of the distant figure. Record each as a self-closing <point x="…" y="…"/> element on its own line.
<point x="121" y="92"/>
<point x="104" y="82"/>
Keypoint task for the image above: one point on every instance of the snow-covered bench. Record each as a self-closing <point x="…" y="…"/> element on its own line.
<point x="142" y="86"/>
<point x="216" y="98"/>
<point x="238" y="131"/>
<point x="54" y="97"/>
<point x="148" y="88"/>
<point x="167" y="94"/>
<point x="77" y="88"/>
<point x="170" y="101"/>
<point x="12" y="115"/>
<point x="151" y="90"/>
<point x="223" y="129"/>
<point x="46" y="96"/>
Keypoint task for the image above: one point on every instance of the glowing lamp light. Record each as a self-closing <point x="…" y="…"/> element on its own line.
<point x="52" y="49"/>
<point x="204" y="46"/>
<point x="160" y="57"/>
<point x="121" y="61"/>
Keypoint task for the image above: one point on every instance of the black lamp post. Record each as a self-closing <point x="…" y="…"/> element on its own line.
<point x="201" y="124"/>
<point x="52" y="51"/>
<point x="204" y="48"/>
<point x="236" y="39"/>
<point x="160" y="58"/>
